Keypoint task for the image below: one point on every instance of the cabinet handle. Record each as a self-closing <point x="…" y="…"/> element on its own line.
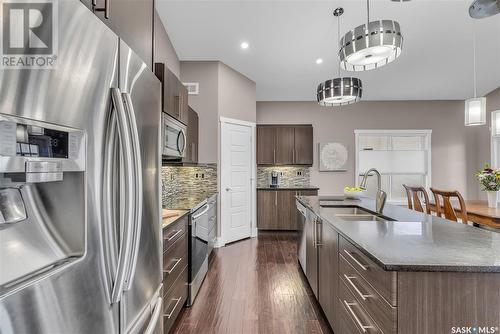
<point x="173" y="235"/>
<point x="360" y="324"/>
<point x="315" y="234"/>
<point x="177" y="261"/>
<point x="274" y="156"/>
<point x="169" y="315"/>
<point x="104" y="9"/>
<point x="275" y="198"/>
<point x="318" y="223"/>
<point x="364" y="267"/>
<point x="349" y="279"/>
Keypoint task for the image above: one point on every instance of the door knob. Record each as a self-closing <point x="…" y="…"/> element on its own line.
<point x="228" y="189"/>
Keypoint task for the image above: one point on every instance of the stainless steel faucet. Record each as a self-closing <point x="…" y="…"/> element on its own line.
<point x="381" y="195"/>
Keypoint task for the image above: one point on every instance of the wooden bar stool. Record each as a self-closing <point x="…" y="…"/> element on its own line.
<point x="447" y="208"/>
<point x="414" y="200"/>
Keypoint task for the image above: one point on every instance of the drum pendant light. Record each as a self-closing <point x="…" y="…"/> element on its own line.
<point x="371" y="45"/>
<point x="339" y="91"/>
<point x="475" y="108"/>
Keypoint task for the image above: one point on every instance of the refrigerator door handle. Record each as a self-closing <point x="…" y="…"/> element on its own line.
<point x="136" y="154"/>
<point x="129" y="191"/>
<point x="155" y="317"/>
<point x="109" y="208"/>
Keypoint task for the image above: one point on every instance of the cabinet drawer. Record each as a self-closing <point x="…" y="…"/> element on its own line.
<point x="384" y="315"/>
<point x="175" y="259"/>
<point x="352" y="313"/>
<point x="175" y="231"/>
<point x="384" y="282"/>
<point x="173" y="300"/>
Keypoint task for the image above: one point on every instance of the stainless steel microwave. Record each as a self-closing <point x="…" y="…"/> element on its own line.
<point x="173" y="137"/>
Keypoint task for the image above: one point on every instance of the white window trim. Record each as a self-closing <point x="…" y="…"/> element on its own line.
<point x="495" y="141"/>
<point x="427" y="133"/>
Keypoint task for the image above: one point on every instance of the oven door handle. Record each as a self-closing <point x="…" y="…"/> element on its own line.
<point x="202" y="213"/>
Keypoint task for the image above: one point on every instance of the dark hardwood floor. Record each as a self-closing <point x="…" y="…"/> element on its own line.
<point x="255" y="286"/>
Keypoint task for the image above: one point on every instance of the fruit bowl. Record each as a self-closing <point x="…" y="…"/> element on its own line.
<point x="353" y="192"/>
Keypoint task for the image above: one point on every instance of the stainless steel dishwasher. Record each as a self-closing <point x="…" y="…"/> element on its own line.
<point x="198" y="249"/>
<point x="301" y="249"/>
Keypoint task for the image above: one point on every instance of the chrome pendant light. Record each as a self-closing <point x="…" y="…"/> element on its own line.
<point x="484" y="8"/>
<point x="475" y="108"/>
<point x="371" y="45"/>
<point x="339" y="91"/>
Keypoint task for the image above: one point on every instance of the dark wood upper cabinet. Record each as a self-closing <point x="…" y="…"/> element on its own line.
<point x="285" y="145"/>
<point x="191" y="155"/>
<point x="266" y="145"/>
<point x="174" y="94"/>
<point x="303" y="145"/>
<point x="131" y="20"/>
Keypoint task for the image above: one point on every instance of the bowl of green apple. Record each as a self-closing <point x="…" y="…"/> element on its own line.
<point x="353" y="192"/>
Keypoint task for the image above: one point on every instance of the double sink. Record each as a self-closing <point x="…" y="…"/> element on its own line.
<point x="352" y="213"/>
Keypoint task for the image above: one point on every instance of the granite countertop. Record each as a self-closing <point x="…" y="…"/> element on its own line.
<point x="288" y="188"/>
<point x="171" y="216"/>
<point x="414" y="241"/>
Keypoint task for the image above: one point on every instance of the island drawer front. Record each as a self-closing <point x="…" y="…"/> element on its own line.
<point x="384" y="314"/>
<point x="175" y="259"/>
<point x="174" y="300"/>
<point x="354" y="313"/>
<point x="385" y="282"/>
<point x="175" y="231"/>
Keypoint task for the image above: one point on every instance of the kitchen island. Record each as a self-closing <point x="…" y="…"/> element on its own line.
<point x="400" y="272"/>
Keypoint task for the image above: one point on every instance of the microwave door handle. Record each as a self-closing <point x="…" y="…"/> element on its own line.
<point x="183" y="149"/>
<point x="129" y="190"/>
<point x="136" y="155"/>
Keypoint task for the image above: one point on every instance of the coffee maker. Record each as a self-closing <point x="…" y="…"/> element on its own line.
<point x="274" y="179"/>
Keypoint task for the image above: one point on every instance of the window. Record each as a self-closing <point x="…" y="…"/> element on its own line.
<point x="401" y="156"/>
<point x="495" y="139"/>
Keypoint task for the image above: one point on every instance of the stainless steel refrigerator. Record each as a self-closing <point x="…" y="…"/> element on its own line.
<point x="80" y="235"/>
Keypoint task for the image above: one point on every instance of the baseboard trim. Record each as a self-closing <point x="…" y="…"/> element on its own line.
<point x="219" y="243"/>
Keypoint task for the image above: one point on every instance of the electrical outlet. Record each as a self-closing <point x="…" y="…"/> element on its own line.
<point x="202" y="175"/>
<point x="196" y="175"/>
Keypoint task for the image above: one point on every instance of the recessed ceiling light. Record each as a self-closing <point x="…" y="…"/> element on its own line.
<point x="244" y="45"/>
<point x="319" y="61"/>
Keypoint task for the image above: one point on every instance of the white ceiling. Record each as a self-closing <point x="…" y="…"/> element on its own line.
<point x="286" y="38"/>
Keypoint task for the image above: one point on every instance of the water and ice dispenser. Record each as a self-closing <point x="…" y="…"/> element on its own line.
<point x="42" y="198"/>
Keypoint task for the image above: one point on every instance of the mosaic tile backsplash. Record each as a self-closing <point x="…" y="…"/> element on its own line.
<point x="290" y="177"/>
<point x="187" y="184"/>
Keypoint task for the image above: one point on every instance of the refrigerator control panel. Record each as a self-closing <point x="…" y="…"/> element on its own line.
<point x="23" y="140"/>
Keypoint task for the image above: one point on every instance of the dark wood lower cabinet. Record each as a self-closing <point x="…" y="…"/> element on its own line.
<point x="311" y="254"/>
<point x="175" y="271"/>
<point x="276" y="209"/>
<point x="328" y="268"/>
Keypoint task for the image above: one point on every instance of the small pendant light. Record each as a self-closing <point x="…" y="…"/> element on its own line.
<point x="475" y="108"/>
<point x="339" y="91"/>
<point x="371" y="45"/>
<point x="484" y="8"/>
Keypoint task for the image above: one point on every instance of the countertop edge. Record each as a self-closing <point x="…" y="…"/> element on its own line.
<point x="177" y="218"/>
<point x="287" y="188"/>
<point x="403" y="267"/>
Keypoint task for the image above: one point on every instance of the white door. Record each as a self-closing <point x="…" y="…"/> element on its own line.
<point x="236" y="181"/>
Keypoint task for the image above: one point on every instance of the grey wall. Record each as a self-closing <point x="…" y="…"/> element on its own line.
<point x="223" y="92"/>
<point x="164" y="51"/>
<point x="237" y="95"/>
<point x="451" y="140"/>
<point x="206" y="104"/>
